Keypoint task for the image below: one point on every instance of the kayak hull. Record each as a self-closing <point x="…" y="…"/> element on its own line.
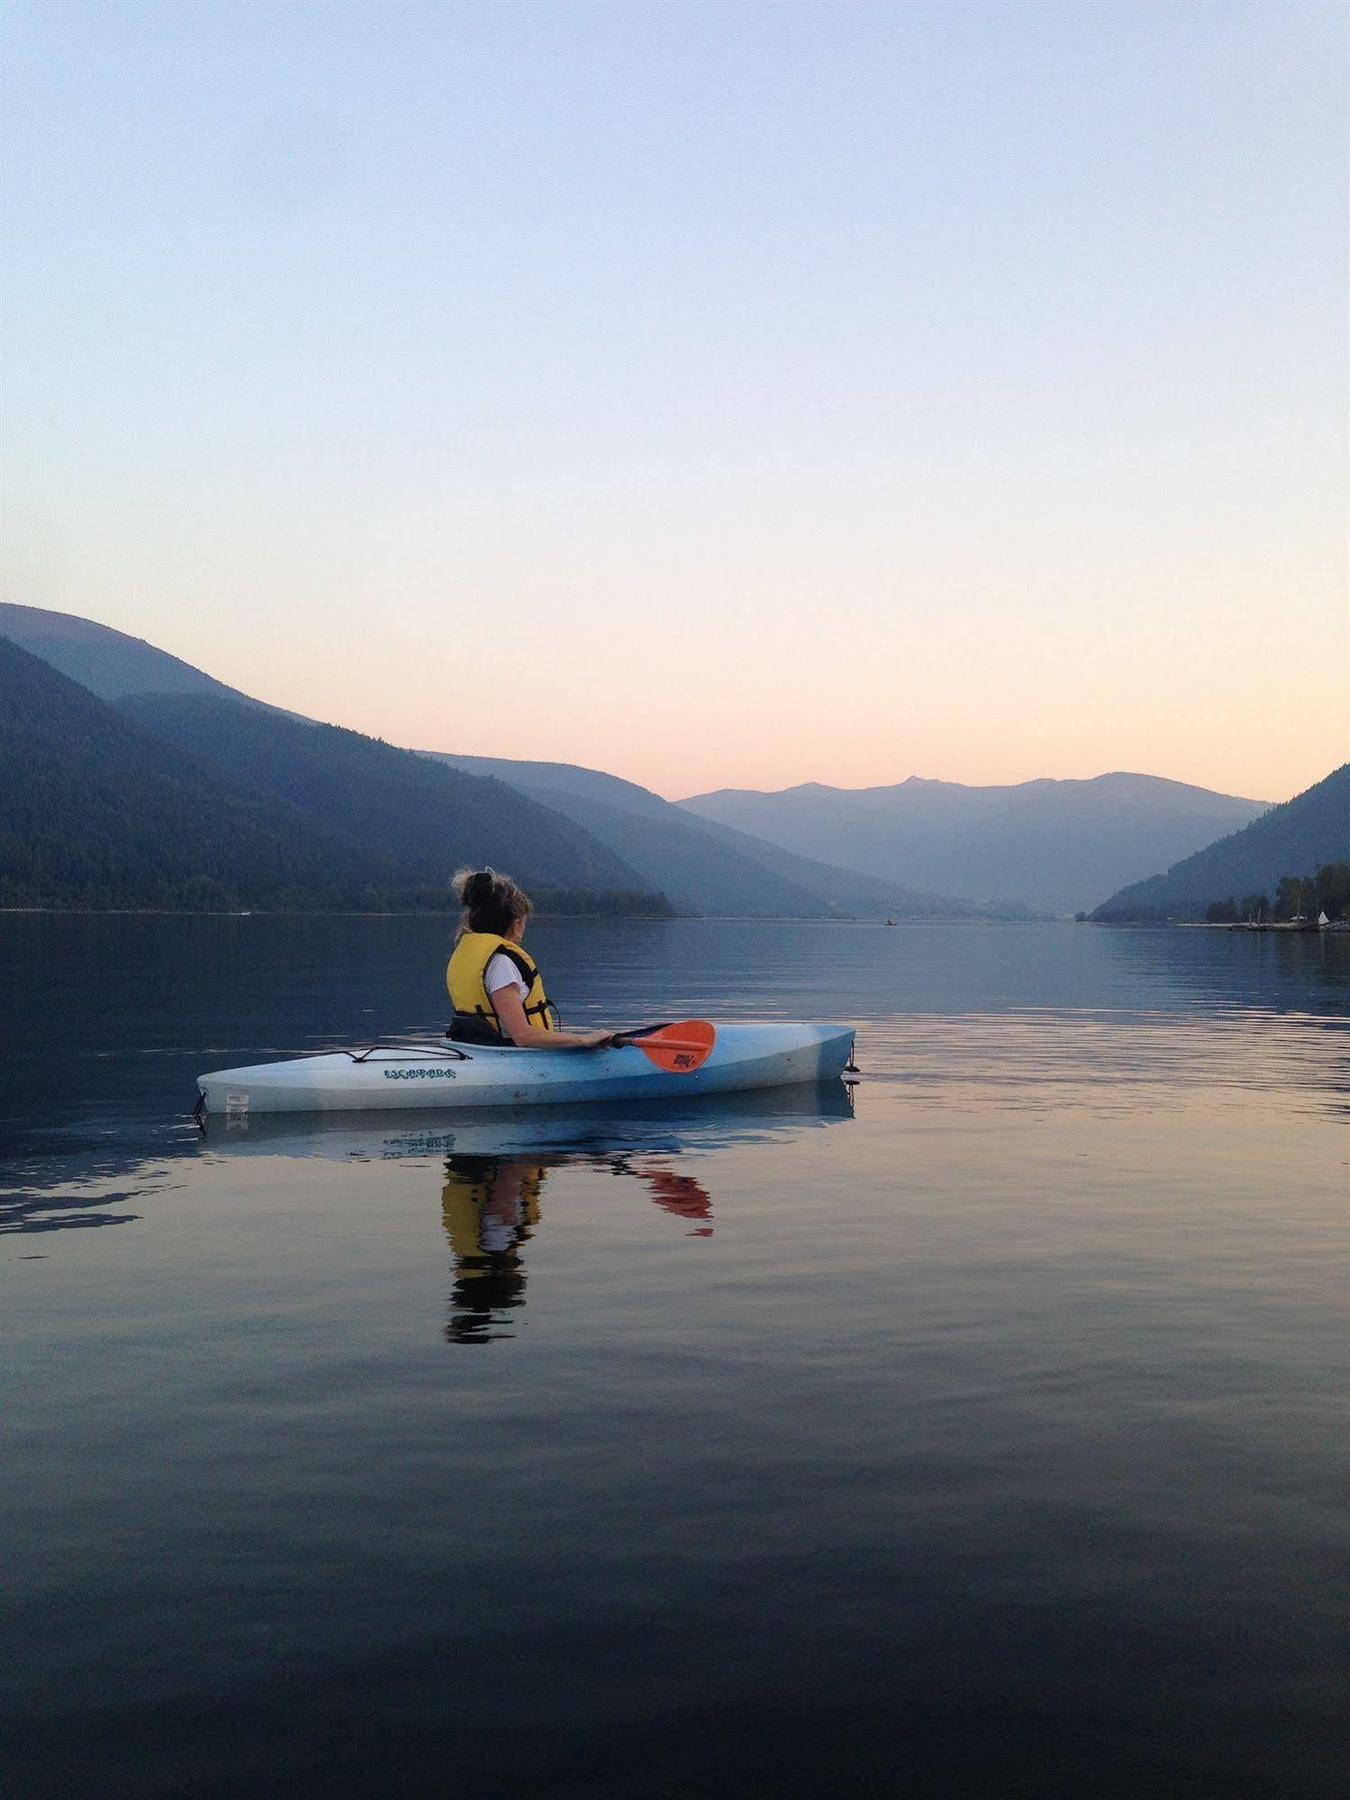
<point x="753" y="1054"/>
<point x="596" y="1129"/>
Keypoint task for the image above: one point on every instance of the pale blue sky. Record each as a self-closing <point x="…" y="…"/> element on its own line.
<point x="762" y="393"/>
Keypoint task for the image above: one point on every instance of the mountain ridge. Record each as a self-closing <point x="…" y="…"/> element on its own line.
<point x="108" y="662"/>
<point x="1058" y="845"/>
<point x="1294" y="838"/>
<point x="572" y="812"/>
<point x="941" y="781"/>
<point x="655" y="835"/>
<point x="923" y="847"/>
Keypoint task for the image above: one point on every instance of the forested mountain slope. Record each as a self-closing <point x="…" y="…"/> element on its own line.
<point x="424" y="818"/>
<point x="1294" y="839"/>
<point x="93" y="812"/>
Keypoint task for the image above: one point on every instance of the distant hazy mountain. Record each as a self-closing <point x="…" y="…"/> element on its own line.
<point x="703" y="866"/>
<point x="423" y="819"/>
<point x="93" y="812"/>
<point x="1294" y="839"/>
<point x="107" y="662"/>
<point x="1057" y="846"/>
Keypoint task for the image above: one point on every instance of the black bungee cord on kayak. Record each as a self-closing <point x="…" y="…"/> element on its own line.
<point x="414" y="1049"/>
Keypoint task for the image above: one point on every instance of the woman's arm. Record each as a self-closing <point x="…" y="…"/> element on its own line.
<point x="510" y="1009"/>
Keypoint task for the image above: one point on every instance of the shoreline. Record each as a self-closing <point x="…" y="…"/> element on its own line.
<point x="596" y="918"/>
<point x="1297" y="927"/>
<point x="1286" y="927"/>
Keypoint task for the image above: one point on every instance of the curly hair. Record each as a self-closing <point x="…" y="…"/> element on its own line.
<point x="491" y="902"/>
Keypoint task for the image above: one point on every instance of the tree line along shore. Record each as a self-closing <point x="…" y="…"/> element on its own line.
<point x="1301" y="902"/>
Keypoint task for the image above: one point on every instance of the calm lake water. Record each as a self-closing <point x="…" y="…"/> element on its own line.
<point x="983" y="1439"/>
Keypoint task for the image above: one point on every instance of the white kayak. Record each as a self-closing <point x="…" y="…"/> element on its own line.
<point x="395" y="1077"/>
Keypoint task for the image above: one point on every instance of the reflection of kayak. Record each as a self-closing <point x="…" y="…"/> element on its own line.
<point x="554" y="1134"/>
<point x="491" y="1169"/>
<point x="395" y="1077"/>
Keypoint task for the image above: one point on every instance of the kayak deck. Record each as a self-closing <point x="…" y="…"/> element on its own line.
<point x="746" y="1054"/>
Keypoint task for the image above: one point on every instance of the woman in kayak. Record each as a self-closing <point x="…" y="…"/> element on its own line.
<point x="495" y="986"/>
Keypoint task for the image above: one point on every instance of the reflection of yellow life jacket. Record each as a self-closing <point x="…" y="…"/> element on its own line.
<point x="474" y="1014"/>
<point x="468" y="1192"/>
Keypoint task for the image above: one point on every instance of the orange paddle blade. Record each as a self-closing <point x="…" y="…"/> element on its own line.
<point x="678" y="1049"/>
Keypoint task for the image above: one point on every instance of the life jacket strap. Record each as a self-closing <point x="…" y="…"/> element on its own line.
<point x="475" y="1027"/>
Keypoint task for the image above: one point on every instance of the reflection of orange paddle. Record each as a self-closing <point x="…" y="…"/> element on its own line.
<point x="681" y="1195"/>
<point x="678" y="1049"/>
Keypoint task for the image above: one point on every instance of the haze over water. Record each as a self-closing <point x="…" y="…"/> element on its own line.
<point x="982" y="1438"/>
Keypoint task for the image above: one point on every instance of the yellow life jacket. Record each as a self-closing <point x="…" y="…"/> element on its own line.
<point x="475" y="1018"/>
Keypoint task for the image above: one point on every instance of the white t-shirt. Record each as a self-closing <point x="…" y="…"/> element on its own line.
<point x="502" y="972"/>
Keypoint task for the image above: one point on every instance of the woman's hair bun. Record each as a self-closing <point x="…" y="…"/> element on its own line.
<point x="492" y="901"/>
<point x="473" y="886"/>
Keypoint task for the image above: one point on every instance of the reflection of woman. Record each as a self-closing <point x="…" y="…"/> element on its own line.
<point x="488" y="1206"/>
<point x="495" y="986"/>
<point x="491" y="1204"/>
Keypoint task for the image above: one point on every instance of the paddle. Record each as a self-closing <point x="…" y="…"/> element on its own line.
<point x="678" y="1049"/>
